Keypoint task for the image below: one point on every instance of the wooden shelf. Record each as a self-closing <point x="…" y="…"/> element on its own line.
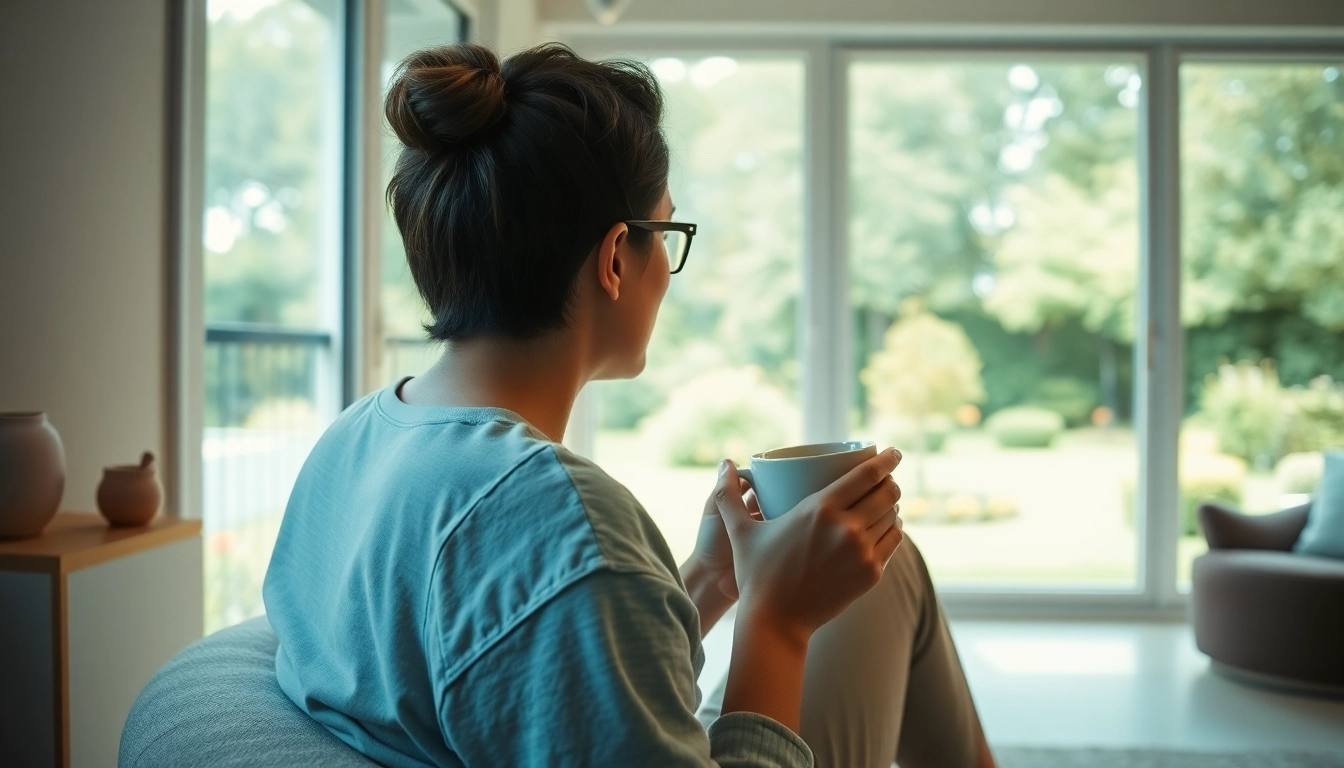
<point x="76" y="540"/>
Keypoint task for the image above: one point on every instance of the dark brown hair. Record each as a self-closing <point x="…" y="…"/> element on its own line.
<point x="510" y="175"/>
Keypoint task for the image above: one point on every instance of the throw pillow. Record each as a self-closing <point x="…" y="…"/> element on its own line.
<point x="1324" y="534"/>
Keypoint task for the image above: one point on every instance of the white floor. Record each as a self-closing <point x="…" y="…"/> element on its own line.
<point x="1127" y="685"/>
<point x="1115" y="685"/>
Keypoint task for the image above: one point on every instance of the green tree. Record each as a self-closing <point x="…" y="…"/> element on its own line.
<point x="736" y="141"/>
<point x="1071" y="255"/>
<point x="927" y="367"/>
<point x="269" y="167"/>
<point x="1005" y="192"/>
<point x="1263" y="169"/>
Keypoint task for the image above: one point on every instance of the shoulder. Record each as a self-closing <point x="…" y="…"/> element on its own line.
<point x="626" y="535"/>
<point x="546" y="523"/>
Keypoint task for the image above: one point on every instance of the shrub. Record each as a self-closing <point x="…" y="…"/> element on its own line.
<point x="283" y="413"/>
<point x="1071" y="398"/>
<point x="1260" y="421"/>
<point x="1299" y="472"/>
<point x="1025" y="427"/>
<point x="1315" y="420"/>
<point x="926" y="366"/>
<point x="1204" y="477"/>
<point x="960" y="509"/>
<point x="927" y="434"/>
<point x="1244" y="405"/>
<point x="1208" y="477"/>
<point x="726" y="413"/>
<point x="624" y="406"/>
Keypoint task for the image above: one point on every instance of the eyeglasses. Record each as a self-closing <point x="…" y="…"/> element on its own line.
<point x="676" y="239"/>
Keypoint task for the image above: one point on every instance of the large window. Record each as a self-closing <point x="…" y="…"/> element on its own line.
<point x="272" y="269"/>
<point x="401" y="349"/>
<point x="994" y="248"/>
<point x="722" y="376"/>
<point x="275" y="239"/>
<point x="989" y="239"/>
<point x="972" y="255"/>
<point x="1262" y="175"/>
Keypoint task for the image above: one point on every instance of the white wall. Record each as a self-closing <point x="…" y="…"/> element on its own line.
<point x="507" y="25"/>
<point x="82" y="223"/>
<point x="1306" y="13"/>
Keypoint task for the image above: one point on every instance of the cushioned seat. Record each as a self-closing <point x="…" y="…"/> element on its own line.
<point x="1261" y="611"/>
<point x="217" y="703"/>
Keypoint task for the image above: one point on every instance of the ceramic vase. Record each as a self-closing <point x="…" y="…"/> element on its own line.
<point x="130" y="494"/>
<point x="32" y="474"/>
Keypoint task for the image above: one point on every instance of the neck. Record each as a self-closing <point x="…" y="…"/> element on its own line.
<point x="538" y="379"/>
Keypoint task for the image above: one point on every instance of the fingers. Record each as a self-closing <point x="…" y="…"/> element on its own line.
<point x="727" y="495"/>
<point x="753" y="504"/>
<point x="848" y="490"/>
<point x="887" y="544"/>
<point x="888" y="519"/>
<point x="877" y="502"/>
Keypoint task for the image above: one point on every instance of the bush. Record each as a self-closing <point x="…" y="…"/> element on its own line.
<point x="624" y="406"/>
<point x="1204" y="477"/>
<point x="926" y="366"/>
<point x="1208" y="477"/>
<point x="283" y="413"/>
<point x="911" y="436"/>
<point x="1315" y="421"/>
<point x="726" y="413"/>
<point x="1074" y="399"/>
<point x="1025" y="427"/>
<point x="1244" y="405"/>
<point x="1260" y="421"/>
<point x="1299" y="472"/>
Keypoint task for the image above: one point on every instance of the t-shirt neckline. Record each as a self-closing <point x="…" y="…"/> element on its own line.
<point x="397" y="410"/>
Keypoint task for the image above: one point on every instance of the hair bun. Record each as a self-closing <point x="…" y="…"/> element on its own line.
<point x="445" y="95"/>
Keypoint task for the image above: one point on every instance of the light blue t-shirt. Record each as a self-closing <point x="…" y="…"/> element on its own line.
<point x="450" y="588"/>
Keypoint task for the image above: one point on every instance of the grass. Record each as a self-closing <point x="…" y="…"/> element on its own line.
<point x="1071" y="530"/>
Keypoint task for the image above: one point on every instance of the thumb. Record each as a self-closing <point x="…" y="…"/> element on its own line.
<point x="728" y="497"/>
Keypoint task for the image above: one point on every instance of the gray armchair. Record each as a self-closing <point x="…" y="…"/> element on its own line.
<point x="217" y="705"/>
<point x="1264" y="614"/>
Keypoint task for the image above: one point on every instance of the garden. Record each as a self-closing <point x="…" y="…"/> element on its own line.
<point x="994" y="256"/>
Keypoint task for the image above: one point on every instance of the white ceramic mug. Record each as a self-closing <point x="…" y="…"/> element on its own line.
<point x="785" y="476"/>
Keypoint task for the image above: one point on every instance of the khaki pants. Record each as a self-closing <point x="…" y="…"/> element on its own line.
<point x="883" y="681"/>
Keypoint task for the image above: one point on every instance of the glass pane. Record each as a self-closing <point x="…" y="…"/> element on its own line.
<point x="722" y="375"/>
<point x="1262" y="174"/>
<point x="994" y="249"/>
<point x="408" y="27"/>
<point x="272" y="275"/>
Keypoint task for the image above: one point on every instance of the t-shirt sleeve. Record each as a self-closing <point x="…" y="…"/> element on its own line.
<point x="599" y="675"/>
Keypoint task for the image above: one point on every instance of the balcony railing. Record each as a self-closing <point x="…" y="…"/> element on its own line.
<point x="270" y="391"/>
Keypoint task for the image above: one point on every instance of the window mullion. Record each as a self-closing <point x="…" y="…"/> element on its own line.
<point x="823" y="334"/>
<point x="1158" y="347"/>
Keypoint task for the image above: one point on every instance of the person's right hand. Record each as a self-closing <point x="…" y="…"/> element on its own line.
<point x="803" y="568"/>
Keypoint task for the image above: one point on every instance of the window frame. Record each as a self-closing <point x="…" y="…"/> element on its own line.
<point x="356" y="85"/>
<point x="825" y="343"/>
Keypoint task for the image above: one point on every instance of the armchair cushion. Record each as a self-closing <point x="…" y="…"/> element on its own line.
<point x="217" y="705"/>
<point x="1324" y="533"/>
<point x="1225" y="528"/>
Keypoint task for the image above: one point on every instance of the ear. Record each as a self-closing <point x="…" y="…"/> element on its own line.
<point x="611" y="260"/>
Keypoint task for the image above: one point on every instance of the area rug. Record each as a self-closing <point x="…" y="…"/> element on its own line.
<point x="1148" y="758"/>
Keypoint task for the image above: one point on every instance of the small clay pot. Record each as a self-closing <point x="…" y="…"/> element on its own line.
<point x="129" y="494"/>
<point x="32" y="474"/>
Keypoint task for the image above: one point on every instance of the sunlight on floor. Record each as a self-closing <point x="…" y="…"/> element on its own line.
<point x="1111" y="684"/>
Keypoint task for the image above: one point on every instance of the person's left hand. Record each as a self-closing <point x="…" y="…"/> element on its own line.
<point x="713" y="550"/>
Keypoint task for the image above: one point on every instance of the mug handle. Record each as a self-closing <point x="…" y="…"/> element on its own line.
<point x="745" y="472"/>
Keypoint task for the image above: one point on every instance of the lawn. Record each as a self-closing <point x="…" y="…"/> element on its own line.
<point x="1070" y="529"/>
